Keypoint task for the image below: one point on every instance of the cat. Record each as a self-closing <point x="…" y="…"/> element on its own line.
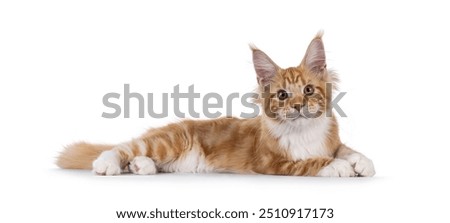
<point x="284" y="140"/>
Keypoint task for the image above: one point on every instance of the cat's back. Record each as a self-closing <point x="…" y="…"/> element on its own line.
<point x="224" y="127"/>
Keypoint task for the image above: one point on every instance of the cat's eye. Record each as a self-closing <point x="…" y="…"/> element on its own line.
<point x="308" y="90"/>
<point x="282" y="94"/>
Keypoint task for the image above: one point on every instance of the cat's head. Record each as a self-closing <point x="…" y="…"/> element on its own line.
<point x="295" y="93"/>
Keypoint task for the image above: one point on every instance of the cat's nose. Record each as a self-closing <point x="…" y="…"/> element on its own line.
<point x="298" y="107"/>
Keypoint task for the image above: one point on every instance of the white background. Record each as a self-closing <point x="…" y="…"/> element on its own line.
<point x="58" y="59"/>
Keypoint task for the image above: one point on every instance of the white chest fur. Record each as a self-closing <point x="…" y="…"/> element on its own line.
<point x="302" y="139"/>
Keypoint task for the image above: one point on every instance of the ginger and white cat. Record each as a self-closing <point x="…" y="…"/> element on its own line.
<point x="293" y="135"/>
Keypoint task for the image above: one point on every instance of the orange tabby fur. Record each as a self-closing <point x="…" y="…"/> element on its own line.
<point x="267" y="144"/>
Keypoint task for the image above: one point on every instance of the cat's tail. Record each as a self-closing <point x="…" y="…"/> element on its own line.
<point x="80" y="155"/>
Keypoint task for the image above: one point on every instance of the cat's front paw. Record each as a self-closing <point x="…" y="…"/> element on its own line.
<point x="142" y="165"/>
<point x="108" y="163"/>
<point x="337" y="168"/>
<point x="363" y="166"/>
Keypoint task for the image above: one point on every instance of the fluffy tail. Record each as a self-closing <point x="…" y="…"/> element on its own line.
<point x="80" y="155"/>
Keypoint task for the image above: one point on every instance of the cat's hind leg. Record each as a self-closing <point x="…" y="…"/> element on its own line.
<point x="142" y="165"/>
<point x="113" y="162"/>
<point x="108" y="163"/>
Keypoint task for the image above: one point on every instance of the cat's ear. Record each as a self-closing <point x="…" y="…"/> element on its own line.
<point x="265" y="68"/>
<point x="314" y="59"/>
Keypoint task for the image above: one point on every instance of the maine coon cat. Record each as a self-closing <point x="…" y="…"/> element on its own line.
<point x="293" y="135"/>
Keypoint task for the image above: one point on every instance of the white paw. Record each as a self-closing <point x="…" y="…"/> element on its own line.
<point x="362" y="165"/>
<point x="142" y="165"/>
<point x="108" y="163"/>
<point x="337" y="168"/>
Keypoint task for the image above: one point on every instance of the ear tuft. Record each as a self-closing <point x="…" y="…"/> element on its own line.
<point x="319" y="35"/>
<point x="265" y="68"/>
<point x="314" y="59"/>
<point x="252" y="47"/>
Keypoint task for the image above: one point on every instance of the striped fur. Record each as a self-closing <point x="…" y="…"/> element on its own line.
<point x="272" y="143"/>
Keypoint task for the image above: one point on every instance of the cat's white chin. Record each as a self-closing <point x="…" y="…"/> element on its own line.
<point x="303" y="121"/>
